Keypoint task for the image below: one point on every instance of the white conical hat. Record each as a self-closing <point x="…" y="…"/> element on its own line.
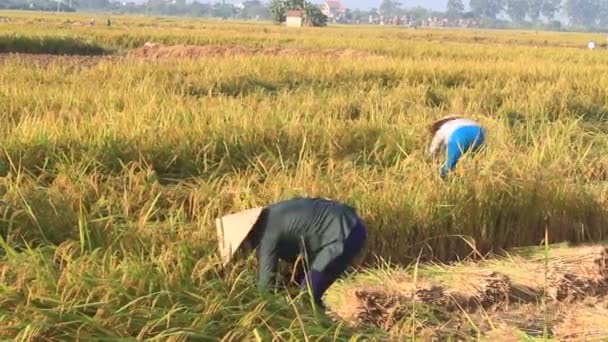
<point x="233" y="229"/>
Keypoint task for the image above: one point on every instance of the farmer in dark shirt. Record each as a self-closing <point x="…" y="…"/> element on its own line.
<point x="328" y="234"/>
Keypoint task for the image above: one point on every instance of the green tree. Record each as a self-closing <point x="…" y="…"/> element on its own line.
<point x="419" y="13"/>
<point x="313" y="15"/>
<point x="93" y="4"/>
<point x="517" y="10"/>
<point x="254" y="9"/>
<point x="603" y="14"/>
<point x="278" y="10"/>
<point x="550" y="8"/>
<point x="582" y="12"/>
<point x="389" y="8"/>
<point x="534" y="9"/>
<point x="348" y="15"/>
<point x="223" y="10"/>
<point x="488" y="9"/>
<point x="199" y="9"/>
<point x="455" y="8"/>
<point x="358" y="14"/>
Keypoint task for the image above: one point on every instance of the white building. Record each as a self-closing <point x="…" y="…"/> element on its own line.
<point x="295" y="19"/>
<point x="333" y="9"/>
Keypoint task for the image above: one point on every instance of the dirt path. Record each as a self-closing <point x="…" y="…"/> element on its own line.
<point x="567" y="297"/>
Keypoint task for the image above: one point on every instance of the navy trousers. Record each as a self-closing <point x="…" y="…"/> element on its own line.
<point x="320" y="281"/>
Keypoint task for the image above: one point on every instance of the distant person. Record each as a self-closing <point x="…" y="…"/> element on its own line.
<point x="108" y="23"/>
<point x="458" y="135"/>
<point x="328" y="234"/>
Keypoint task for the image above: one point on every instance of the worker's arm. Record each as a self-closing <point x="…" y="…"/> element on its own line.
<point x="326" y="255"/>
<point x="436" y="144"/>
<point x="268" y="260"/>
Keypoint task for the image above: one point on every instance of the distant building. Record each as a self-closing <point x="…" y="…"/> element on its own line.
<point x="333" y="9"/>
<point x="295" y="19"/>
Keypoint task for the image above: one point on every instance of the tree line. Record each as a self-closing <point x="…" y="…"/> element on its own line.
<point x="581" y="14"/>
<point x="220" y="9"/>
<point x="584" y="13"/>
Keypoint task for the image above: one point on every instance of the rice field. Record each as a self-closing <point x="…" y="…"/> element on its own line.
<point x="115" y="162"/>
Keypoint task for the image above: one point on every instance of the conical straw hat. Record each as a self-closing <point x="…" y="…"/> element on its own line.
<point x="233" y="229"/>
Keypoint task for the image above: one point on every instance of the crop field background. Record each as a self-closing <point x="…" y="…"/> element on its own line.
<point x="116" y="159"/>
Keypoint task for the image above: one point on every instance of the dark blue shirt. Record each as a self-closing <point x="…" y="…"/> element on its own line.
<point x="312" y="227"/>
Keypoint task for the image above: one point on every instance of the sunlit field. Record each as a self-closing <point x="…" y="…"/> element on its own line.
<point x="116" y="161"/>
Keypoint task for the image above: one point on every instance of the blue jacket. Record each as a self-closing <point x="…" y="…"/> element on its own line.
<point x="315" y="228"/>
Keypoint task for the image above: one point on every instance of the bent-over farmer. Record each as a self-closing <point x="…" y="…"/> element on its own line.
<point x="458" y="135"/>
<point x="327" y="233"/>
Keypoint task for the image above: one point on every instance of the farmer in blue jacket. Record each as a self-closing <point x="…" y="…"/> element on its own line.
<point x="458" y="135"/>
<point x="327" y="233"/>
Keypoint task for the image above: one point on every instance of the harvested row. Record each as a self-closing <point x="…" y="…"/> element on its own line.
<point x="156" y="50"/>
<point x="505" y="293"/>
<point x="160" y="51"/>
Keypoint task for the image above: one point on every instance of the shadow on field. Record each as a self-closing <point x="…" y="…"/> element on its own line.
<point x="245" y="85"/>
<point x="479" y="215"/>
<point x="494" y="293"/>
<point x="13" y="43"/>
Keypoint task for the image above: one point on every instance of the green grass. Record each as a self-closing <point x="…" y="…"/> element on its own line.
<point x="114" y="174"/>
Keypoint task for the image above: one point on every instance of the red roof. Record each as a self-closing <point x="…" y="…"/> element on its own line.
<point x="334" y="4"/>
<point x="295" y="13"/>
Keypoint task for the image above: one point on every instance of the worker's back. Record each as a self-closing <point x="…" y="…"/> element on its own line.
<point x="316" y="223"/>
